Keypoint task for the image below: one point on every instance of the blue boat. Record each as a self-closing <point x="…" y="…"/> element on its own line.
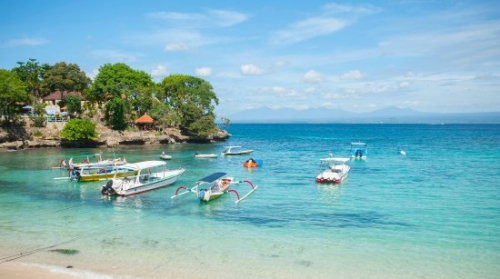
<point x="359" y="150"/>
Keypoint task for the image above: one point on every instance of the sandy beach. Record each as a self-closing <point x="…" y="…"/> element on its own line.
<point x="27" y="271"/>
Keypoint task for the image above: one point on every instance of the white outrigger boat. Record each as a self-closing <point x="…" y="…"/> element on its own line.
<point x="214" y="186"/>
<point x="151" y="175"/>
<point x="236" y="150"/>
<point x="336" y="171"/>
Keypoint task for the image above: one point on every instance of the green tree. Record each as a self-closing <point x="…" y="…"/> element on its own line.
<point x="79" y="129"/>
<point x="31" y="73"/>
<point x="193" y="100"/>
<point x="73" y="104"/>
<point x="115" y="114"/>
<point x="65" y="77"/>
<point x="12" y="91"/>
<point x="113" y="80"/>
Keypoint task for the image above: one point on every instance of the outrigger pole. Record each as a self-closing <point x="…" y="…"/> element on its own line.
<point x="247" y="194"/>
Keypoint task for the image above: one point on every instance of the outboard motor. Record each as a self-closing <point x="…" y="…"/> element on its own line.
<point x="108" y="189"/>
<point x="201" y="194"/>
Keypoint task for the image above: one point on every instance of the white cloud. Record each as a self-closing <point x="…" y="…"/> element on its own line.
<point x="309" y="28"/>
<point x="228" y="18"/>
<point x="282" y="92"/>
<point x="176" y="47"/>
<point x="174" y="16"/>
<point x="313" y="77"/>
<point x="223" y="18"/>
<point x="26" y="42"/>
<point x="203" y="71"/>
<point x="159" y="71"/>
<point x="351" y="75"/>
<point x="251" y="70"/>
<point x="281" y="63"/>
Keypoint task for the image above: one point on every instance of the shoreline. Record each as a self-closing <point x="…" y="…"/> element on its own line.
<point x="23" y="270"/>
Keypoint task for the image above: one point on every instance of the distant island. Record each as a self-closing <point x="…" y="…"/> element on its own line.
<point x="388" y="115"/>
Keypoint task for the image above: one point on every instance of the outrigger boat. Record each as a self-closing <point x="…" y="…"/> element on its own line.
<point x="337" y="170"/>
<point x="214" y="186"/>
<point x="236" y="150"/>
<point x="151" y="175"/>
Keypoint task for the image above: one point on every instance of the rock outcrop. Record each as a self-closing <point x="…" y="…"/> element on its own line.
<point x="29" y="137"/>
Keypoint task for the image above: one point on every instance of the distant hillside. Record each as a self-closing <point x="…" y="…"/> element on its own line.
<point x="386" y="115"/>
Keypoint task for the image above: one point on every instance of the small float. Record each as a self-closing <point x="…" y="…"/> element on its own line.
<point x="253" y="163"/>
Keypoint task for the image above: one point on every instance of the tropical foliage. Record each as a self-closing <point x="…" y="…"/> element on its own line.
<point x="79" y="129"/>
<point x="118" y="94"/>
<point x="12" y="91"/>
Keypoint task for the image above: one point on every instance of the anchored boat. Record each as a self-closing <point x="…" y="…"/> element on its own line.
<point x="213" y="186"/>
<point x="151" y="175"/>
<point x="336" y="170"/>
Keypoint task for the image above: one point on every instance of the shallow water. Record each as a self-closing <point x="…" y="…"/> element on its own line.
<point x="430" y="214"/>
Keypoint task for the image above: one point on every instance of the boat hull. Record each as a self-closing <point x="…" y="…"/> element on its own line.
<point x="138" y="185"/>
<point x="103" y="176"/>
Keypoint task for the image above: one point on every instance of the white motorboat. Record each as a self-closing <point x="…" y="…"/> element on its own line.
<point x="151" y="175"/>
<point x="334" y="170"/>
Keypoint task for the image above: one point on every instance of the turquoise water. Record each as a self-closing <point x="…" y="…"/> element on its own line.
<point x="434" y="213"/>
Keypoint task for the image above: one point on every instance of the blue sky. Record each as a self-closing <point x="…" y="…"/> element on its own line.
<point x="430" y="56"/>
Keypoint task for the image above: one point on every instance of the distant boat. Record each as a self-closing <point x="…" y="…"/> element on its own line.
<point x="236" y="150"/>
<point x="164" y="156"/>
<point x="359" y="150"/>
<point x="402" y="152"/>
<point x="201" y="155"/>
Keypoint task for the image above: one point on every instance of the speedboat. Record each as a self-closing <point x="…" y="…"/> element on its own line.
<point x="213" y="186"/>
<point x="336" y="170"/>
<point x="359" y="150"/>
<point x="151" y="175"/>
<point x="236" y="150"/>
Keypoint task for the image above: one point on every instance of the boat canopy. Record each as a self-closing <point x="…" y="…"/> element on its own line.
<point x="211" y="178"/>
<point x="358" y="144"/>
<point x="148" y="164"/>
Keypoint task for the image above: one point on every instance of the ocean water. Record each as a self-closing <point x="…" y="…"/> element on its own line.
<point x="434" y="213"/>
